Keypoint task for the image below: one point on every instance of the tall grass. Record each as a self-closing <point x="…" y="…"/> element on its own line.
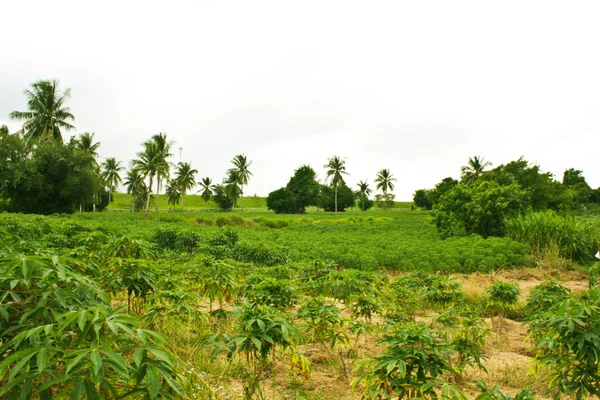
<point x="548" y="234"/>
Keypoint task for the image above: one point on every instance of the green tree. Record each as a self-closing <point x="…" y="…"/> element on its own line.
<point x="233" y="186"/>
<point x="47" y="113"/>
<point x="301" y="191"/>
<point x="185" y="178"/>
<point x="242" y="166"/>
<point x="363" y="193"/>
<point x="110" y="175"/>
<point x="163" y="167"/>
<point x="385" y="181"/>
<point x="206" y="188"/>
<point x="473" y="169"/>
<point x="147" y="165"/>
<point x="136" y="187"/>
<point x="328" y="201"/>
<point x="421" y="199"/>
<point x="335" y="169"/>
<point x="51" y="178"/>
<point x="172" y="192"/>
<point x="441" y="188"/>
<point x="85" y="142"/>
<point x="481" y="208"/>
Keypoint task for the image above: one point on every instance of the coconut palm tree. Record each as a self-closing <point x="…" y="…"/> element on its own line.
<point x="163" y="166"/>
<point x="185" y="179"/>
<point x="206" y="188"/>
<point x="233" y="186"/>
<point x="474" y="168"/>
<point x="384" y="180"/>
<point x="172" y="192"/>
<point x="242" y="165"/>
<point x="86" y="143"/>
<point x="47" y="114"/>
<point x="148" y="164"/>
<point x="363" y="192"/>
<point x="135" y="186"/>
<point x="110" y="175"/>
<point x="335" y="168"/>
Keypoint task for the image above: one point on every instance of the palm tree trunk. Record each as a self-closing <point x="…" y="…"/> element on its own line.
<point x="336" y="199"/>
<point x="148" y="198"/>
<point x="182" y="200"/>
<point x="157" y="191"/>
<point x="109" y="198"/>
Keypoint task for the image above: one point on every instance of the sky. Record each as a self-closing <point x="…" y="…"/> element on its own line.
<point x="415" y="87"/>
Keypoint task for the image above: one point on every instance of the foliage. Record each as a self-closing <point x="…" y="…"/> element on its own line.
<point x="221" y="198"/>
<point x="501" y="296"/>
<point x="421" y="199"/>
<point x="385" y="181"/>
<point x="570" y="345"/>
<point x="473" y="170"/>
<point x="278" y="293"/>
<point x="549" y="233"/>
<point x="444" y="186"/>
<point x="443" y="291"/>
<point x="410" y="366"/>
<point x="53" y="178"/>
<point x="481" y="208"/>
<point x="301" y="191"/>
<point x="334" y="171"/>
<point x="47" y="113"/>
<point x="327" y="198"/>
<point x="494" y="393"/>
<point x="544" y="296"/>
<point x="363" y="194"/>
<point x="176" y="240"/>
<point x="60" y="337"/>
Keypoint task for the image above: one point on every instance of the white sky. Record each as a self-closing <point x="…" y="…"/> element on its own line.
<point x="417" y="87"/>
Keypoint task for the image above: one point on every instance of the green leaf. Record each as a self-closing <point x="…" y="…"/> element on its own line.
<point x="163" y="355"/>
<point x="78" y="391"/>
<point x="76" y="359"/>
<point x="19" y="365"/>
<point x="139" y="355"/>
<point x="41" y="360"/>
<point x="152" y="382"/>
<point x="96" y="361"/>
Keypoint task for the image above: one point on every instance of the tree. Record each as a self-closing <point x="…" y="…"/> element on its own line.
<point x="481" y="208"/>
<point x="575" y="181"/>
<point x="147" y="165"/>
<point x="441" y="188"/>
<point x="163" y="148"/>
<point x="172" y="192"/>
<point x="328" y="201"/>
<point x="363" y="193"/>
<point x="51" y="178"/>
<point x="206" y="188"/>
<point x="233" y="185"/>
<point x="301" y="191"/>
<point x="136" y="187"/>
<point x="47" y="114"/>
<point x="242" y="166"/>
<point x="335" y="169"/>
<point x="185" y="179"/>
<point x="85" y="142"/>
<point x="473" y="169"/>
<point x="421" y="199"/>
<point x="385" y="181"/>
<point x="110" y="175"/>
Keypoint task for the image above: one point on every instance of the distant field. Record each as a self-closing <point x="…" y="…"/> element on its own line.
<point x="122" y="201"/>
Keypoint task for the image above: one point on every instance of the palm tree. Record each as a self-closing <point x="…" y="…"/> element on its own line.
<point x="172" y="192"/>
<point x="86" y="143"/>
<point x="232" y="184"/>
<point x="110" y="175"/>
<point x="147" y="164"/>
<point x="242" y="166"/>
<point x="336" y="167"/>
<point x="363" y="192"/>
<point x="384" y="180"/>
<point x="185" y="179"/>
<point x="47" y="113"/>
<point x="163" y="166"/>
<point x="470" y="172"/>
<point x="134" y="183"/>
<point x="206" y="188"/>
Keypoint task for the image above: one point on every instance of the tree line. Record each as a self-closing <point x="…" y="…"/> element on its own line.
<point x="484" y="199"/>
<point x="40" y="173"/>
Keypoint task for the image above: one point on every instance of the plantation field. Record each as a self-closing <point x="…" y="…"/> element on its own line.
<point x="253" y="305"/>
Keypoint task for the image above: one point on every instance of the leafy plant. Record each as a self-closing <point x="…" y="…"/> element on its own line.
<point x="443" y="291"/>
<point x="59" y="337"/>
<point x="501" y="296"/>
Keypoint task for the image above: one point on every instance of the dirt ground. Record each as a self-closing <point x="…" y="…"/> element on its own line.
<point x="509" y="352"/>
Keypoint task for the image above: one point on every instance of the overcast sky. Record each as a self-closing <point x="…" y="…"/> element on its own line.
<point x="417" y="87"/>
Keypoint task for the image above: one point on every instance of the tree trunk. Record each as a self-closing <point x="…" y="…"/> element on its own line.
<point x="182" y="200"/>
<point x="157" y="191"/>
<point x="336" y="199"/>
<point x="148" y="198"/>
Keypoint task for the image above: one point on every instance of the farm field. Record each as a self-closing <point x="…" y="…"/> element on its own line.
<point x="257" y="305"/>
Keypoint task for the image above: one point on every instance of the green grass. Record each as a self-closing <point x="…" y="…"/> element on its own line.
<point x="122" y="202"/>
